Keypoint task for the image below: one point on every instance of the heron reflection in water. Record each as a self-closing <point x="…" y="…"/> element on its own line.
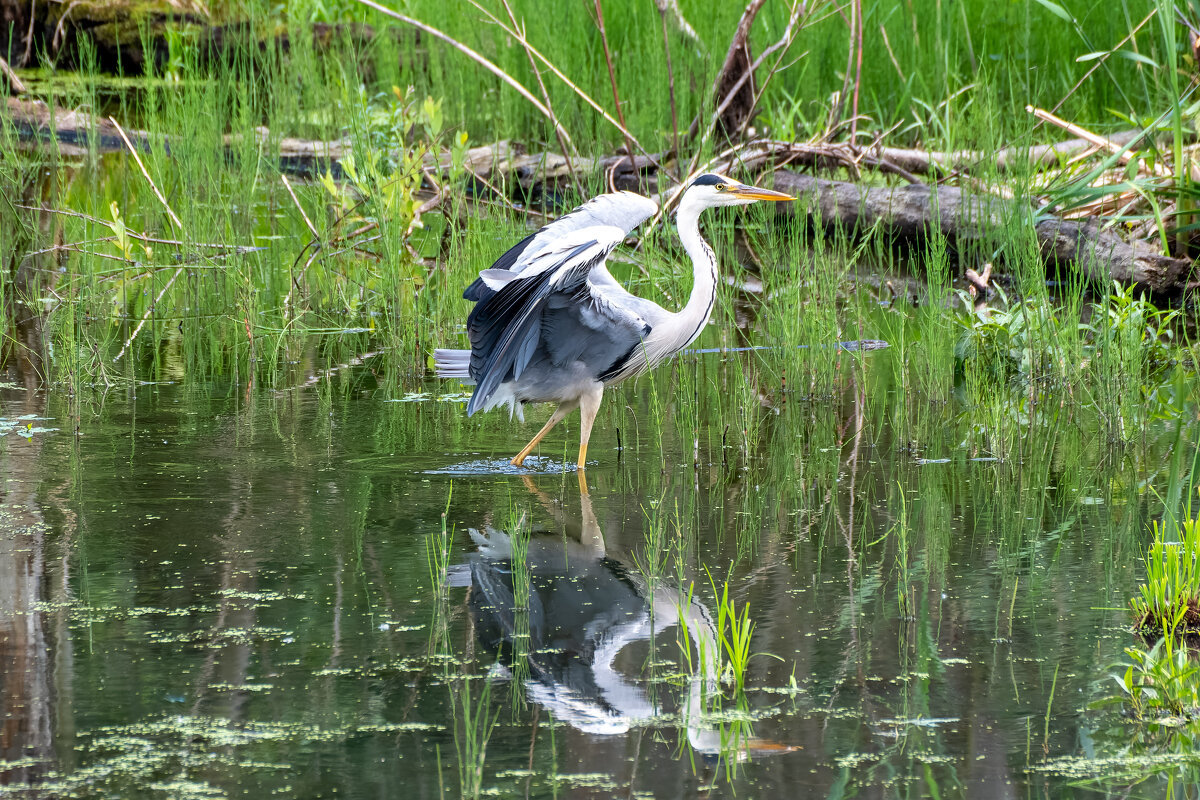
<point x="584" y="608"/>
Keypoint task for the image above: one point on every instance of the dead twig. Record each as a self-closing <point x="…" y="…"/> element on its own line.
<point x="680" y="22"/>
<point x="59" y="36"/>
<point x="287" y="185"/>
<point x="29" y="35"/>
<point x="784" y="44"/>
<point x="662" y="6"/>
<point x="584" y="96"/>
<point x="1100" y="61"/>
<point x="235" y="249"/>
<point x="736" y="71"/>
<point x="854" y="59"/>
<point x="888" y="46"/>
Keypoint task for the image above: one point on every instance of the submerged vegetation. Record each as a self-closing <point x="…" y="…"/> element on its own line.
<point x="221" y="279"/>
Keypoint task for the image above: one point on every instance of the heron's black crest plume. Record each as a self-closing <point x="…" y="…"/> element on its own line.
<point x="708" y="180"/>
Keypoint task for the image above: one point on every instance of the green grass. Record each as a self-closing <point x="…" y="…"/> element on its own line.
<point x="1169" y="600"/>
<point x="273" y="316"/>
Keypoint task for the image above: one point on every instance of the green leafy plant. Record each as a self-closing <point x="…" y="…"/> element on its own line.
<point x="734" y="629"/>
<point x="1162" y="682"/>
<point x="1023" y="341"/>
<point x="1138" y="333"/>
<point x="1169" y="600"/>
<point x="473" y="727"/>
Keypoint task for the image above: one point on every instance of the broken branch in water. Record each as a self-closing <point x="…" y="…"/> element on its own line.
<point x="149" y="311"/>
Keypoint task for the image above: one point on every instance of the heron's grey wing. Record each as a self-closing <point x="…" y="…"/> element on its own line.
<point x="624" y="210"/>
<point x="598" y="323"/>
<point x="506" y="326"/>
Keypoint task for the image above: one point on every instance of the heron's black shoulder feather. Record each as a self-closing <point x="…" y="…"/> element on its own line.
<point x="478" y="290"/>
<point x="505" y="327"/>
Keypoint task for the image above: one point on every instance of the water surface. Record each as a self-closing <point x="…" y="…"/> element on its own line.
<point x="210" y="591"/>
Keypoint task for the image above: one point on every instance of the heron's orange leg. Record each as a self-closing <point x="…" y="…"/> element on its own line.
<point x="565" y="408"/>
<point x="589" y="406"/>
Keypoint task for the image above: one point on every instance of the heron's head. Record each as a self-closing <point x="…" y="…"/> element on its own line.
<point x="712" y="190"/>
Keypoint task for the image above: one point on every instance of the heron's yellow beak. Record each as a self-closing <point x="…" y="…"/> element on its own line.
<point x="757" y="193"/>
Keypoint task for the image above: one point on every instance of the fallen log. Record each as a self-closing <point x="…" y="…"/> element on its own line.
<point x="923" y="162"/>
<point x="76" y="133"/>
<point x="911" y="212"/>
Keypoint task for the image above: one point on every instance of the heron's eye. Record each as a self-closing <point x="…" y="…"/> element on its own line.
<point x="720" y="187"/>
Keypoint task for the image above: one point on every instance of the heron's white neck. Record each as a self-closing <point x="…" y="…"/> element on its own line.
<point x="691" y="320"/>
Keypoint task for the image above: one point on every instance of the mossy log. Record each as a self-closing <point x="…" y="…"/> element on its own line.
<point x="128" y="35"/>
<point x="911" y="212"/>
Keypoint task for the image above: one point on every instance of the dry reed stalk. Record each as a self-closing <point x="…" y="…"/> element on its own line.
<point x="1124" y="156"/>
<point x="558" y="73"/>
<point x="856" y="45"/>
<point x="146" y="316"/>
<point x="567" y="147"/>
<point x="1100" y="61"/>
<point x="471" y="54"/>
<point x="308" y="222"/>
<point x="149" y="180"/>
<point x="662" y="6"/>
<point x="612" y="77"/>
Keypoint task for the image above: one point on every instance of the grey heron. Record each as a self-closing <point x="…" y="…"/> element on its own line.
<point x="551" y="324"/>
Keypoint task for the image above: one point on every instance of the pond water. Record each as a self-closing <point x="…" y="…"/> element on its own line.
<point x="342" y="590"/>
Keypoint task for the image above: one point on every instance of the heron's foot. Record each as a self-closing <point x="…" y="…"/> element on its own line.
<point x="518" y="460"/>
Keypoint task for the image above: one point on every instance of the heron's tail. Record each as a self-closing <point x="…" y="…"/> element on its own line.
<point x="453" y="364"/>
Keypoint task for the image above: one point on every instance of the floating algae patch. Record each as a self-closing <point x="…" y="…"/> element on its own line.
<point x="24" y="425"/>
<point x="1119" y="768"/>
<point x="426" y="397"/>
<point x="593" y="780"/>
<point x="260" y="596"/>
<point x="171" y="755"/>
<point x="222" y="637"/>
